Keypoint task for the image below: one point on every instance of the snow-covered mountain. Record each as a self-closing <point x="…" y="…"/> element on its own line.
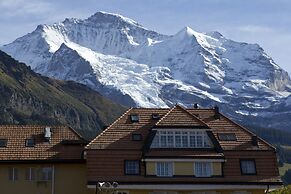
<point x="139" y="67"/>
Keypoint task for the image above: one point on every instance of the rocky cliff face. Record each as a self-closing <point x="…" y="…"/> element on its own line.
<point x="138" y="67"/>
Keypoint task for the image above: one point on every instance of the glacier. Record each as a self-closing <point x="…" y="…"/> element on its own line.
<point x="136" y="66"/>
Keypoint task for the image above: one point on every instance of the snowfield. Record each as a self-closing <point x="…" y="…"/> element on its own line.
<point x="136" y="66"/>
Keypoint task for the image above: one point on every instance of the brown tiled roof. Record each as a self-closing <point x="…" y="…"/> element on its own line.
<point x="65" y="143"/>
<point x="178" y="116"/>
<point x="225" y="125"/>
<point x="118" y="135"/>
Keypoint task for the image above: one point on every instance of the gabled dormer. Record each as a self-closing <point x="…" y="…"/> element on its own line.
<point x="180" y="129"/>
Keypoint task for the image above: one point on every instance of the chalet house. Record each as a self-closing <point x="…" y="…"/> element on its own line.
<point x="41" y="160"/>
<point x="180" y="151"/>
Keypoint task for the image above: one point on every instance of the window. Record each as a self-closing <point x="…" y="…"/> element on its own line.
<point x="178" y="140"/>
<point x="136" y="137"/>
<point x="248" y="166"/>
<point x="192" y="139"/>
<point x="203" y="169"/>
<point x="13" y="174"/>
<point x="30" y="174"/>
<point x="164" y="169"/>
<point x="181" y="139"/>
<point x="132" y="167"/>
<point x="170" y="139"/>
<point x="199" y="139"/>
<point x="163" y="137"/>
<point x="45" y="174"/>
<point x="134" y="118"/>
<point x="185" y="139"/>
<point x="3" y="143"/>
<point x="29" y="142"/>
<point x="227" y="137"/>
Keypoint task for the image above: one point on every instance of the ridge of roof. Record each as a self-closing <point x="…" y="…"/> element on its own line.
<point x="171" y="109"/>
<point x="95" y="139"/>
<point x="187" y="112"/>
<point x="194" y="116"/>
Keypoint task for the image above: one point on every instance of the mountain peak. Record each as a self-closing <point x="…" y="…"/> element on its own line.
<point x="106" y="17"/>
<point x="214" y="34"/>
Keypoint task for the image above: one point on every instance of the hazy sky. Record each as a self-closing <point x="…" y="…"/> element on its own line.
<point x="266" y="22"/>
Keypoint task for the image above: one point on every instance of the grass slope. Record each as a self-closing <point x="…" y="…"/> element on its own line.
<point x="29" y="98"/>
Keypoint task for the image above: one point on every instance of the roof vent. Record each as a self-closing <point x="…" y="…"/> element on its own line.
<point x="155" y="116"/>
<point x="255" y="140"/>
<point x="216" y="112"/>
<point x="196" y="105"/>
<point x="47" y="134"/>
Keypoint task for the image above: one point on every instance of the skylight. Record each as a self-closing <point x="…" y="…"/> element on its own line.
<point x="227" y="137"/>
<point x="29" y="142"/>
<point x="134" y="118"/>
<point x="3" y="142"/>
<point x="136" y="137"/>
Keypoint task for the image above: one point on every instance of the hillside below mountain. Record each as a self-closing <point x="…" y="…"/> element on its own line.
<point x="135" y="66"/>
<point x="29" y="98"/>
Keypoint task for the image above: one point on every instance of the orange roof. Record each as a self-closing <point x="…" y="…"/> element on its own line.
<point x="64" y="144"/>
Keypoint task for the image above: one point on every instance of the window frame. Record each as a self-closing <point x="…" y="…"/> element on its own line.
<point x="171" y="174"/>
<point x="31" y="172"/>
<point x="182" y="139"/>
<point x="48" y="174"/>
<point x="203" y="175"/>
<point x="15" y="174"/>
<point x="248" y="159"/>
<point x="131" y="174"/>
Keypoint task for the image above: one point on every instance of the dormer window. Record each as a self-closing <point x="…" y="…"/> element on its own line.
<point x="155" y="116"/>
<point x="29" y="142"/>
<point x="134" y="118"/>
<point x="227" y="136"/>
<point x="181" y="139"/>
<point x="3" y="143"/>
<point x="136" y="137"/>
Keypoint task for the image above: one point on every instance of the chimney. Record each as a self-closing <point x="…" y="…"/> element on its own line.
<point x="196" y="105"/>
<point x="216" y="112"/>
<point x="47" y="134"/>
<point x="255" y="140"/>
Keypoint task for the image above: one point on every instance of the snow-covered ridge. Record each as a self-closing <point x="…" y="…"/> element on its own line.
<point x="135" y="66"/>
